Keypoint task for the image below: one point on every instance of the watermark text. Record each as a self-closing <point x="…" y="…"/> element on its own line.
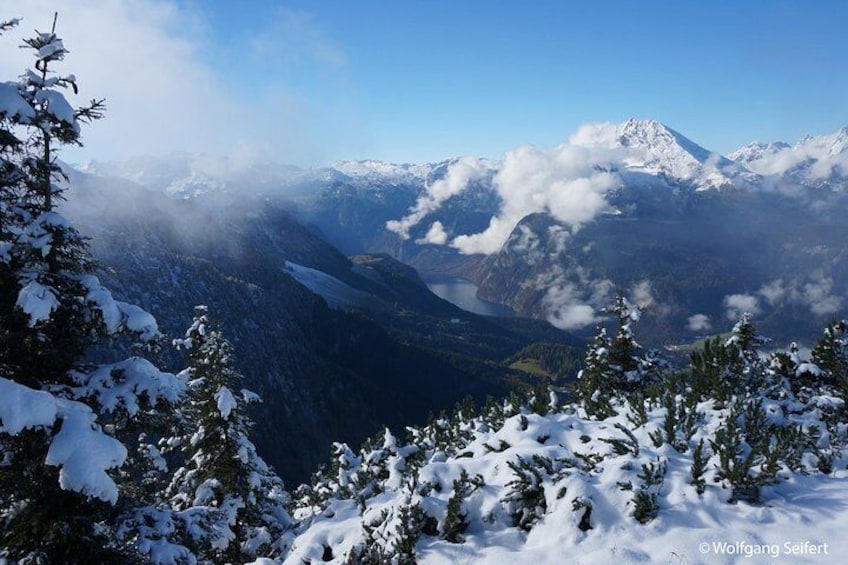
<point x="748" y="549"/>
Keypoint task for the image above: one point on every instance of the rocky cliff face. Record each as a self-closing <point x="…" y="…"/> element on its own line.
<point x="696" y="265"/>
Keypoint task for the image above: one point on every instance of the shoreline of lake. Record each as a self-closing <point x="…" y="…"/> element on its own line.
<point x="463" y="294"/>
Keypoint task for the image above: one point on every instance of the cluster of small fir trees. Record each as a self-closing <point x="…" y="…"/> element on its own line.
<point x="739" y="448"/>
<point x="752" y="444"/>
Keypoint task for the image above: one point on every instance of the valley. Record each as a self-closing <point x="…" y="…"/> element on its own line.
<point x="308" y="252"/>
<point x="222" y="340"/>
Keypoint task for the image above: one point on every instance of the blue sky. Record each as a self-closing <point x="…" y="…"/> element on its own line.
<point x="315" y="81"/>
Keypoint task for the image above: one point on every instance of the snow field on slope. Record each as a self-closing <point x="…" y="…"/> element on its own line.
<point x="809" y="513"/>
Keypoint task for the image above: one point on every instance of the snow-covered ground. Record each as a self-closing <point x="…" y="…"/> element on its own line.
<point x="801" y="519"/>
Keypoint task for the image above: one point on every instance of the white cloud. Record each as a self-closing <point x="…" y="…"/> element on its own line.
<point x="158" y="66"/>
<point x="566" y="309"/>
<point x="714" y="160"/>
<point x="699" y="322"/>
<point x="436" y="235"/>
<point x="293" y="38"/>
<point x="822" y="155"/>
<point x="642" y="295"/>
<point x="738" y="304"/>
<point x="457" y="178"/>
<point x="559" y="237"/>
<point x="601" y="134"/>
<point x="488" y="241"/>
<point x="565" y="181"/>
<point x="818" y="296"/>
<point x="527" y="242"/>
<point x="816" y="293"/>
<point x="570" y="305"/>
<point x="774" y="292"/>
<point x="600" y="291"/>
<point x="570" y="182"/>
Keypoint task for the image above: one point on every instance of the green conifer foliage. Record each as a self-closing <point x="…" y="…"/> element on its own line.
<point x="52" y="309"/>
<point x="243" y="499"/>
<point x="831" y="355"/>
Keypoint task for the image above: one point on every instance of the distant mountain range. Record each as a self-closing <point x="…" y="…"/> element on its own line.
<point x="657" y="150"/>
<point x="620" y="207"/>
<point x="818" y="162"/>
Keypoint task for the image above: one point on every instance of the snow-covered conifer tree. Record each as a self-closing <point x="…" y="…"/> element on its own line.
<point x="612" y="367"/>
<point x="58" y="485"/>
<point x="241" y="498"/>
<point x="830" y="354"/>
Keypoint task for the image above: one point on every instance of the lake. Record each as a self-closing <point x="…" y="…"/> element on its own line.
<point x="464" y="294"/>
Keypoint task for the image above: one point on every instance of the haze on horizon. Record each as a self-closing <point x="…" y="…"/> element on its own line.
<point x="311" y="83"/>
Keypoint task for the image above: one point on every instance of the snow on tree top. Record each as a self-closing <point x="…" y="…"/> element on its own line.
<point x="84" y="453"/>
<point x="249" y="396"/>
<point x="119" y="315"/>
<point x="53" y="46"/>
<point x="23" y="408"/>
<point x="138" y="320"/>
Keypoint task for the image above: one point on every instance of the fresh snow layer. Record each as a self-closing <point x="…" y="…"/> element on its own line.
<point x="119" y="315"/>
<point x="37" y="301"/>
<point x="22" y="407"/>
<point x="82" y="452"/>
<point x="57" y="105"/>
<point x="12" y="103"/>
<point x="120" y="385"/>
<point x="799" y="515"/>
<point x="225" y="401"/>
<point x="337" y="293"/>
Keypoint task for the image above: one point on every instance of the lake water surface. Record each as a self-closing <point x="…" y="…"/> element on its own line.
<point x="464" y="294"/>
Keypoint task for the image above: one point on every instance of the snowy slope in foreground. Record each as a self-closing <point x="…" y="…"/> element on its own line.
<point x="801" y="519"/>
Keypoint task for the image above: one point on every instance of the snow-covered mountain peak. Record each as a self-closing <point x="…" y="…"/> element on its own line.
<point x="656" y="149"/>
<point x="826" y="145"/>
<point x="374" y="169"/>
<point x="187" y="175"/>
<point x="648" y="133"/>
<point x="756" y="150"/>
<point x="815" y="161"/>
<point x="659" y="140"/>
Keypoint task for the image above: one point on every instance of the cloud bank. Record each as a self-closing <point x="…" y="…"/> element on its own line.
<point x="459" y="175"/>
<point x="813" y="158"/>
<point x="815" y="292"/>
<point x="573" y="305"/>
<point x="699" y="322"/>
<point x="737" y="304"/>
<point x="570" y="182"/>
<point x="168" y="83"/>
<point x="565" y="182"/>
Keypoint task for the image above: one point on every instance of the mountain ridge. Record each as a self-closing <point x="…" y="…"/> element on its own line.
<point x="657" y="150"/>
